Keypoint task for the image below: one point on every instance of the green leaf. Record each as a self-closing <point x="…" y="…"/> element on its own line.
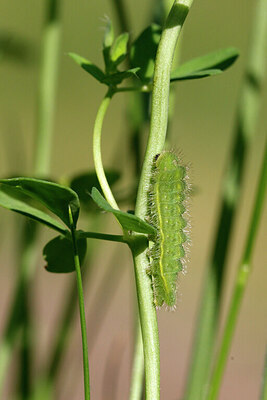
<point x="143" y="51"/>
<point x="128" y="221"/>
<point x="83" y="184"/>
<point x="118" y="77"/>
<point x="118" y="50"/>
<point x="89" y="67"/>
<point x="196" y="75"/>
<point x="10" y="198"/>
<point x="207" y="65"/>
<point x="59" y="255"/>
<point x="55" y="197"/>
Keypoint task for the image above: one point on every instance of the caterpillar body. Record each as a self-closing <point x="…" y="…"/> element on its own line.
<point x="166" y="209"/>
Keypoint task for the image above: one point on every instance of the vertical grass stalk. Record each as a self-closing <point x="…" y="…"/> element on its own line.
<point x="121" y="15"/>
<point x="264" y="381"/>
<point x="47" y="88"/>
<point x="19" y="307"/>
<point x="158" y="128"/>
<point x="45" y="100"/>
<point x="240" y="285"/>
<point x="246" y="121"/>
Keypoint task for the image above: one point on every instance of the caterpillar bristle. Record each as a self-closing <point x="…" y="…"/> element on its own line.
<point x="168" y="213"/>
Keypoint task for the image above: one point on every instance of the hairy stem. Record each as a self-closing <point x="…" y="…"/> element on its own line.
<point x="160" y="97"/>
<point x="158" y="127"/>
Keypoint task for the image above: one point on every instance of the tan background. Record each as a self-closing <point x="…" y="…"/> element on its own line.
<point x="202" y="130"/>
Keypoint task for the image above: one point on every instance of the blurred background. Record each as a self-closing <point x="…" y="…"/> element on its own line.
<point x="201" y="130"/>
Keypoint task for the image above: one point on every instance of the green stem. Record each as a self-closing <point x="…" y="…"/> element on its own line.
<point x="264" y="381"/>
<point x="104" y="236"/>
<point x="121" y="14"/>
<point x="247" y="116"/>
<point x="240" y="285"/>
<point x="158" y="127"/>
<point x="137" y="379"/>
<point x="45" y="99"/>
<point x="160" y="96"/>
<point x="137" y="118"/>
<point x="19" y="308"/>
<point x="47" y="89"/>
<point x="149" y="326"/>
<point x="44" y="386"/>
<point x="82" y="311"/>
<point x="97" y="149"/>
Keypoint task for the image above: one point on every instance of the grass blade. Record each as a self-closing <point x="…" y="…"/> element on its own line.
<point x="264" y="381"/>
<point x="44" y="129"/>
<point x="240" y="284"/>
<point x="247" y="116"/>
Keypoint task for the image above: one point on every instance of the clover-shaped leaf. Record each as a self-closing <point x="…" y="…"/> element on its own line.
<point x="59" y="255"/>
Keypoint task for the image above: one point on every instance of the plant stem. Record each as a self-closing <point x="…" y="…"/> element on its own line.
<point x="264" y="381"/>
<point x="82" y="310"/>
<point x="148" y="320"/>
<point x="121" y="14"/>
<point x="44" y="387"/>
<point x="47" y="88"/>
<point x="240" y="285"/>
<point x="104" y="236"/>
<point x="159" y="119"/>
<point x="19" y="308"/>
<point x="247" y="115"/>
<point x="47" y="83"/>
<point x="160" y="96"/>
<point x="97" y="149"/>
<point x="137" y="378"/>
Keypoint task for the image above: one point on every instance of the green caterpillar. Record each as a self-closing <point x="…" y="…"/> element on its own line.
<point x="166" y="208"/>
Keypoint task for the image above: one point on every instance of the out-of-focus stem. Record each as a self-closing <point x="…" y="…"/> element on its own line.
<point x="122" y="15"/>
<point x="240" y="285"/>
<point x="264" y="381"/>
<point x="45" y="100"/>
<point x="19" y="307"/>
<point x="47" y="88"/>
